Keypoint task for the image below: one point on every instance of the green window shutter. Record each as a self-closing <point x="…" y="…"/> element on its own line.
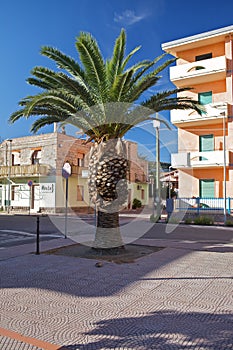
<point x="205" y="98"/>
<point x="207" y="188"/>
<point x="206" y="143"/>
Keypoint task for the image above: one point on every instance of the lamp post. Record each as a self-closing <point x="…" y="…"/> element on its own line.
<point x="169" y="189"/>
<point x="157" y="186"/>
<point x="66" y="173"/>
<point x="9" y="176"/>
<point x="224" y="169"/>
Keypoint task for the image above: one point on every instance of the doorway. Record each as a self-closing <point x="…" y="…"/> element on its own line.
<point x="35" y="198"/>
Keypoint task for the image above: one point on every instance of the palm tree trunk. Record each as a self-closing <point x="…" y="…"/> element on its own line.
<point x="108" y="191"/>
<point x="108" y="233"/>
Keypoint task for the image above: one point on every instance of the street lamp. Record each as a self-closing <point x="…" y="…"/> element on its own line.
<point x="224" y="168"/>
<point x="66" y="173"/>
<point x="157" y="186"/>
<point x="169" y="189"/>
<point x="9" y="175"/>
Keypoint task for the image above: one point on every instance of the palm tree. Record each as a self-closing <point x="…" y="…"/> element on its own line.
<point x="99" y="97"/>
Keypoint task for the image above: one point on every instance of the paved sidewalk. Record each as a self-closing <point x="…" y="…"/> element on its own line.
<point x="176" y="299"/>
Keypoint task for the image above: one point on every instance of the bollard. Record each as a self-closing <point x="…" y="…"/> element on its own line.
<point x="37" y="235"/>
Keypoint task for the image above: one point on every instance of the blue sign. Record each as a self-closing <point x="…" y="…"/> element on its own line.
<point x="30" y="183"/>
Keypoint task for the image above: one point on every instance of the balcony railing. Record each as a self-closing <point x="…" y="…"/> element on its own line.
<point x="203" y="205"/>
<point x="79" y="170"/>
<point x="199" y="71"/>
<point x="141" y="178"/>
<point x="25" y="170"/>
<point x="213" y="111"/>
<point x="199" y="159"/>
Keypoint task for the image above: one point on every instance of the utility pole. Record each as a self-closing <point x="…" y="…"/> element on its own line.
<point x="157" y="185"/>
<point x="9" y="176"/>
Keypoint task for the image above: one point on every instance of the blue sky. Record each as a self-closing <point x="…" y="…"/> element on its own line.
<point x="26" y="25"/>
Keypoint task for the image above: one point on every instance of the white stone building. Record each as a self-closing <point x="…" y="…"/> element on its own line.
<point x="31" y="174"/>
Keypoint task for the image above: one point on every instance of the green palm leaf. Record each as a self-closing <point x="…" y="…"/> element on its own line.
<point x="91" y="58"/>
<point x="114" y="66"/>
<point x="64" y="62"/>
<point x="98" y="95"/>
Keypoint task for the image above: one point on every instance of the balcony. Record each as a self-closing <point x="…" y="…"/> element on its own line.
<point x="199" y="72"/>
<point x="80" y="171"/>
<point x="214" y="112"/>
<point x="199" y="159"/>
<point x="141" y="178"/>
<point x="25" y="170"/>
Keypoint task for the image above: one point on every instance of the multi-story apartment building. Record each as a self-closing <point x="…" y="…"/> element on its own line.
<point x="205" y="142"/>
<point x="31" y="173"/>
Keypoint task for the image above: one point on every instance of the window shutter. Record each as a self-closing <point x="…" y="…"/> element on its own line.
<point x="207" y="188"/>
<point x="206" y="143"/>
<point x="205" y="98"/>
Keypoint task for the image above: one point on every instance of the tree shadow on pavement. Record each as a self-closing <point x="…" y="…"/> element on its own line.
<point x="79" y="276"/>
<point x="165" y="330"/>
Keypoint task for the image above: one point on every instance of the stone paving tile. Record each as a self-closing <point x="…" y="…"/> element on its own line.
<point x="12" y="344"/>
<point x="174" y="299"/>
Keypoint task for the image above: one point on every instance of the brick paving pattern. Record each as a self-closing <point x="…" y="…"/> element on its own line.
<point x="8" y="343"/>
<point x="175" y="299"/>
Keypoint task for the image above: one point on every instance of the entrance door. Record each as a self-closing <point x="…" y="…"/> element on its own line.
<point x="35" y="198"/>
<point x="1" y="197"/>
<point x="129" y="198"/>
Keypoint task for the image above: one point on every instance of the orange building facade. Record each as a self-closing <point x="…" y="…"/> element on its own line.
<point x="205" y="142"/>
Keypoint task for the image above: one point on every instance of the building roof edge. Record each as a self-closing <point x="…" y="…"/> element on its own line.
<point x="197" y="37"/>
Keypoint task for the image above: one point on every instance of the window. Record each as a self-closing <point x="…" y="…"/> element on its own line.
<point x="205" y="56"/>
<point x="80" y="162"/>
<point x="80" y="193"/>
<point x="36" y="155"/>
<point x="15" y="158"/>
<point x="0" y="195"/>
<point x="205" y="98"/>
<point x="206" y="143"/>
<point x="14" y="192"/>
<point x="142" y="194"/>
<point x="80" y="159"/>
<point x="206" y="188"/>
<point x="196" y="68"/>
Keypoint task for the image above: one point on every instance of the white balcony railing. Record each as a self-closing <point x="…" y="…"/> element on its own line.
<point x="25" y="170"/>
<point x="199" y="71"/>
<point x="213" y="111"/>
<point x="199" y="159"/>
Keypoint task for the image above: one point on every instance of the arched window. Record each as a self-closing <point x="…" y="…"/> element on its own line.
<point x="196" y="68"/>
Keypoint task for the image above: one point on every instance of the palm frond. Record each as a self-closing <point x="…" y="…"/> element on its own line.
<point x="120" y="88"/>
<point x="38" y="83"/>
<point x="64" y="62"/>
<point x="163" y="101"/>
<point x="114" y="65"/>
<point x="91" y="58"/>
<point x="99" y="96"/>
<point x="144" y="84"/>
<point x="148" y="65"/>
<point x="60" y="80"/>
<point x="128" y="57"/>
<point x="16" y="116"/>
